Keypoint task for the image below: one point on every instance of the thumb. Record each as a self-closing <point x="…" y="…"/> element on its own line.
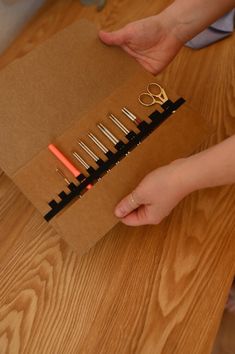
<point x="112" y="38"/>
<point x="128" y="204"/>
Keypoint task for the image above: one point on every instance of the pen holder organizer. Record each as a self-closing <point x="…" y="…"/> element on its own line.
<point x="120" y="150"/>
<point x="58" y="94"/>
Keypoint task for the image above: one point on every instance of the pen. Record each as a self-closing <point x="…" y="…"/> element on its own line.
<point x="89" y="168"/>
<point x="141" y="124"/>
<point x="60" y="156"/>
<point x="131" y="116"/>
<point x="119" y="144"/>
<point x="70" y="184"/>
<point x="100" y="145"/>
<point x="128" y="134"/>
<point x="94" y="157"/>
<point x="67" y="181"/>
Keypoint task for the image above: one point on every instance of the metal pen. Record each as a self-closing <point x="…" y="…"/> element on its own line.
<point x="141" y="124"/>
<point x="118" y="144"/>
<point x="61" y="173"/>
<point x="70" y="184"/>
<point x="100" y="145"/>
<point x="128" y="134"/>
<point x="91" y="153"/>
<point x="89" y="168"/>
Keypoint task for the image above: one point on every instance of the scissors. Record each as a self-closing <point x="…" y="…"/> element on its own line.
<point x="155" y="95"/>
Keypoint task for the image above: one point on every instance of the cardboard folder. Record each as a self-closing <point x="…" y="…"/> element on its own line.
<point x="57" y="94"/>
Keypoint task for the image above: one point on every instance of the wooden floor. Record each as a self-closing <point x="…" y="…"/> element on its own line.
<point x="140" y="290"/>
<point x="225" y="340"/>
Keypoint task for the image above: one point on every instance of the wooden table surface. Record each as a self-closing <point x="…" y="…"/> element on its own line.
<point x="158" y="289"/>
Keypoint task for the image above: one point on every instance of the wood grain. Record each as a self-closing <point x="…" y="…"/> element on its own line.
<point x="140" y="290"/>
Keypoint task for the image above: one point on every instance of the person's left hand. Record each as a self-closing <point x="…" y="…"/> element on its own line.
<point x="155" y="197"/>
<point x="152" y="41"/>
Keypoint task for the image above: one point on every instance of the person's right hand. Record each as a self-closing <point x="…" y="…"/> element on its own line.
<point x="151" y="41"/>
<point x="156" y="195"/>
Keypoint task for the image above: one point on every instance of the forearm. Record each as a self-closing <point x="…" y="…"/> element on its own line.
<point x="192" y="16"/>
<point x="210" y="168"/>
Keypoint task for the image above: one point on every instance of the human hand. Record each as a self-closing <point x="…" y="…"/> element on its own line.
<point x="155" y="41"/>
<point x="162" y="189"/>
<point x="155" y="197"/>
<point x="151" y="41"/>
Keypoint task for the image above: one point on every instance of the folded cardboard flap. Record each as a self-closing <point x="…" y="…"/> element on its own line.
<point x="43" y="93"/>
<point x="42" y="103"/>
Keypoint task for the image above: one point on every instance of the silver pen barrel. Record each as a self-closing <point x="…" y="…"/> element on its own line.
<point x="88" y="151"/>
<point x="98" y="143"/>
<point x="119" y="124"/>
<point x="129" y="114"/>
<point x="80" y="159"/>
<point x="108" y="134"/>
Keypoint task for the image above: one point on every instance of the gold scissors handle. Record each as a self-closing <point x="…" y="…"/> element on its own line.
<point x="155" y="95"/>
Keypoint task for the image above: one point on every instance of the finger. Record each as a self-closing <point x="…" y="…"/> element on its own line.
<point x="137" y="217"/>
<point x="128" y="204"/>
<point x="112" y="38"/>
<point x="144" y="215"/>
